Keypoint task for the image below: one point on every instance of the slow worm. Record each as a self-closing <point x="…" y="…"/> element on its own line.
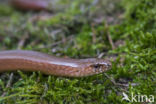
<point x="35" y="61"/>
<point x="37" y="5"/>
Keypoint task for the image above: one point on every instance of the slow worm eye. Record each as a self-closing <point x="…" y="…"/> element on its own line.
<point x="96" y="66"/>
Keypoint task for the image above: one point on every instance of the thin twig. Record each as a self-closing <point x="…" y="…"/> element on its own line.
<point x="22" y="41"/>
<point x="112" y="80"/>
<point x="119" y="84"/>
<point x="109" y="37"/>
<point x="101" y="55"/>
<point x="94" y="34"/>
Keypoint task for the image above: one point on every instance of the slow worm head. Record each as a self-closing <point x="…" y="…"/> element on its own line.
<point x="47" y="64"/>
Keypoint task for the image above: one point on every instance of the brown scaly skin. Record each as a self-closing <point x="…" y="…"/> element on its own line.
<point x="35" y="5"/>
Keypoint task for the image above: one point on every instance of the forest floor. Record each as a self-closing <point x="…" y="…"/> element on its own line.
<point x="123" y="31"/>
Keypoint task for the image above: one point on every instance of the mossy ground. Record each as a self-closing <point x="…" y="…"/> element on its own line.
<point x="81" y="30"/>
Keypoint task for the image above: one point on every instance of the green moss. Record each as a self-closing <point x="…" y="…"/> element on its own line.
<point x="138" y="54"/>
<point x="5" y="10"/>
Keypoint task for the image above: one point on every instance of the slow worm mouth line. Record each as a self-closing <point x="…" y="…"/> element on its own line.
<point x="35" y="61"/>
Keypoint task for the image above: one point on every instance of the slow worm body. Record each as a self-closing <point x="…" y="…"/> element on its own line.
<point x="47" y="64"/>
<point x="37" y="5"/>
